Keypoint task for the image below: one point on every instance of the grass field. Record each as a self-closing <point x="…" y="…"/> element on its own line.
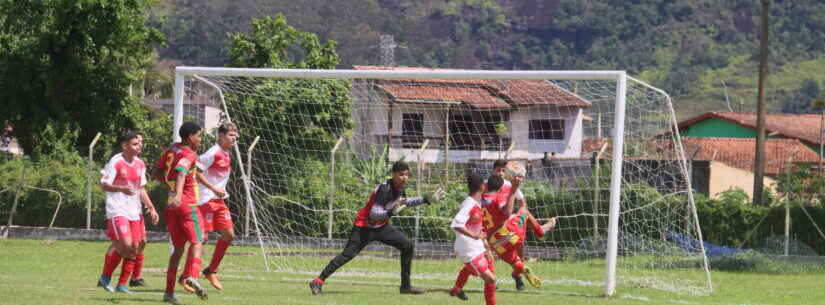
<point x="65" y="272"/>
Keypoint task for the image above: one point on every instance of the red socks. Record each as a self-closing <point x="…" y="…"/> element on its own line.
<point x="461" y="280"/>
<point x="136" y="272"/>
<point x="518" y="269"/>
<point x="110" y="262"/>
<point x="217" y="257"/>
<point x="171" y="273"/>
<point x="317" y="280"/>
<point x="126" y="271"/>
<point x="490" y="293"/>
<point x="195" y="269"/>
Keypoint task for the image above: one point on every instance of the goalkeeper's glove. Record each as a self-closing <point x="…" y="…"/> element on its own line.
<point x="436" y="196"/>
<point x="395" y="207"/>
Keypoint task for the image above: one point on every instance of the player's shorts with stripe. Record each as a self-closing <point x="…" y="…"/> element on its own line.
<point x="216" y="215"/>
<point x="479" y="264"/>
<point x="119" y="227"/>
<point x="185" y="224"/>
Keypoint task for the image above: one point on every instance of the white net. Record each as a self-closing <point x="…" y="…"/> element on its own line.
<point x="326" y="143"/>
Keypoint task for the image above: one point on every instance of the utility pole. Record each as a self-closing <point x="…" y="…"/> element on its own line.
<point x="759" y="162"/>
<point x="388" y="46"/>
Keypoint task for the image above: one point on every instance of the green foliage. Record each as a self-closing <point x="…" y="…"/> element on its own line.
<point x="373" y="169"/>
<point x="67" y="67"/>
<point x="700" y="52"/>
<point x="64" y="172"/>
<point x="302" y="116"/>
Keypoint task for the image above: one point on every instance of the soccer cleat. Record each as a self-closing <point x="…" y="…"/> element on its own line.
<point x="459" y="294"/>
<point x="186" y="287"/>
<point x="519" y="283"/>
<point x="123" y="289"/>
<point x="199" y="290"/>
<point x="169" y="297"/>
<point x="315" y="286"/>
<point x="531" y="278"/>
<point x="137" y="283"/>
<point x="212" y="277"/>
<point x="105" y="282"/>
<point x="410" y="290"/>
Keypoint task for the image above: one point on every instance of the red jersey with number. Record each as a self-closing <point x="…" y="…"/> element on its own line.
<point x="493" y="206"/>
<point x="181" y="158"/>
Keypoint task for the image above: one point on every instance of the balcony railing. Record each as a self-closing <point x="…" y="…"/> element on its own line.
<point x="458" y="142"/>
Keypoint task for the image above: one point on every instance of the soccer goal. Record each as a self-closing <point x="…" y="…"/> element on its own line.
<point x="600" y="147"/>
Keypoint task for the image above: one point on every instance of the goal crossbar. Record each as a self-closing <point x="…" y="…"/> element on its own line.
<point x="406" y="74"/>
<point x="620" y="77"/>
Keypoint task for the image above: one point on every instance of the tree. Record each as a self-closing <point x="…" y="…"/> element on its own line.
<point x="302" y="117"/>
<point x="67" y="67"/>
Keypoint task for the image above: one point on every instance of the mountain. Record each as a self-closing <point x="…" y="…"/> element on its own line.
<point x="704" y="52"/>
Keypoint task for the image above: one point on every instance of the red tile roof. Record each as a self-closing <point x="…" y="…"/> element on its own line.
<point x="479" y="94"/>
<point x="805" y="127"/>
<point x="740" y="152"/>
<point x="736" y="152"/>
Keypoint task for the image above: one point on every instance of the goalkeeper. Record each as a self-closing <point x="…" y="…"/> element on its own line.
<point x="372" y="224"/>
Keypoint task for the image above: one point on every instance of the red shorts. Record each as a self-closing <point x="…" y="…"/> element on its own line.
<point x="478" y="265"/>
<point x="516" y="225"/>
<point x="119" y="228"/>
<point x="216" y="215"/>
<point x="185" y="224"/>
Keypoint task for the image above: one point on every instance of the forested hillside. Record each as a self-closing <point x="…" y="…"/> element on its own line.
<point x="705" y="53"/>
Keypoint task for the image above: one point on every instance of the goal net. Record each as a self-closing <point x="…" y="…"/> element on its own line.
<point x="590" y="141"/>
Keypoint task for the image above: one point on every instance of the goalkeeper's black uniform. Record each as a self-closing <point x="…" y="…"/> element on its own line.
<point x="372" y="224"/>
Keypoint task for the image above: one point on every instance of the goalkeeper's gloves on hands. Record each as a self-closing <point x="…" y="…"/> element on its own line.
<point x="395" y="207"/>
<point x="436" y="196"/>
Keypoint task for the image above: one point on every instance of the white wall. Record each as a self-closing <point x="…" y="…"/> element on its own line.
<point x="518" y="125"/>
<point x="570" y="147"/>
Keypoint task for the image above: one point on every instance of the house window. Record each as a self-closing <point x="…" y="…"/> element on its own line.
<point x="547" y="129"/>
<point x="412" y="129"/>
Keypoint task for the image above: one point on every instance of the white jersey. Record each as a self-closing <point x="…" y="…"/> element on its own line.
<point x="215" y="164"/>
<point x="469" y="217"/>
<point x="519" y="194"/>
<point x="119" y="172"/>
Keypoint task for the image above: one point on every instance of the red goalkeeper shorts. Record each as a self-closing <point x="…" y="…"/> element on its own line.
<point x="216" y="215"/>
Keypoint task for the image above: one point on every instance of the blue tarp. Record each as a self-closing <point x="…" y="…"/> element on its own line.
<point x="692" y="245"/>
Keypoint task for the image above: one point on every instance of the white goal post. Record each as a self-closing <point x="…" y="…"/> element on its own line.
<point x="220" y="79"/>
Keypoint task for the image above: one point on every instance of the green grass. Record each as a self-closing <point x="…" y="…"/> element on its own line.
<point x="65" y="272"/>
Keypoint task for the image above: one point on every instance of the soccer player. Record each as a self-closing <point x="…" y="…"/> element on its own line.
<point x="177" y="167"/>
<point x="123" y="180"/>
<point x="506" y="228"/>
<point x="216" y="216"/>
<point x="372" y="224"/>
<point x="470" y="243"/>
<point x="137" y="272"/>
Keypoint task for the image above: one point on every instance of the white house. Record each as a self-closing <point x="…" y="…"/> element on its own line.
<point x="203" y="109"/>
<point x="539" y="116"/>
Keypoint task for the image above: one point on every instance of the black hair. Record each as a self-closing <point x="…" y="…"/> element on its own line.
<point x="126" y="136"/>
<point x="494" y="183"/>
<point x="474" y="182"/>
<point x="226" y="128"/>
<point x="188" y="129"/>
<point x="400" y="166"/>
<point x="500" y="163"/>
